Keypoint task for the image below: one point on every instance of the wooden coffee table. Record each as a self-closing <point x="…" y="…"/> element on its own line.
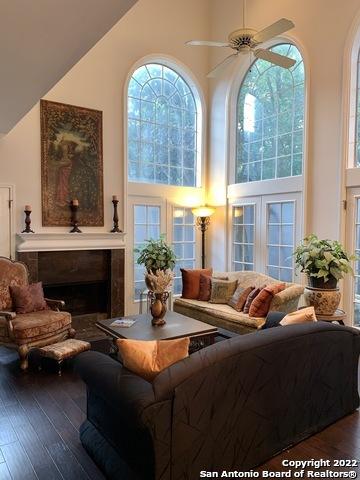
<point x="177" y="326"/>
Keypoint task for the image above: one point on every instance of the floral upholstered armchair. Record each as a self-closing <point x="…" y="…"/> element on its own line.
<point x="28" y="330"/>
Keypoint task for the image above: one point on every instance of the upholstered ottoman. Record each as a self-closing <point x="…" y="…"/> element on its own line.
<point x="62" y="350"/>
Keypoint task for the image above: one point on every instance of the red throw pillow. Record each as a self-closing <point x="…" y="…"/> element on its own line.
<point x="204" y="288"/>
<point x="260" y="305"/>
<point x="191" y="282"/>
<point x="28" y="298"/>
<point x="250" y="299"/>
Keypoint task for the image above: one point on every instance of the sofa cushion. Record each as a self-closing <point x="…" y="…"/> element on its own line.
<point x="191" y="281"/>
<point x="261" y="303"/>
<point x="28" y="298"/>
<point x="29" y="325"/>
<point x="148" y="358"/>
<point x="222" y="290"/>
<point x="237" y="301"/>
<point x="219" y="312"/>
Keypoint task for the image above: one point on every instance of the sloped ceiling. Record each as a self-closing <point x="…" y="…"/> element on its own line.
<point x="40" y="40"/>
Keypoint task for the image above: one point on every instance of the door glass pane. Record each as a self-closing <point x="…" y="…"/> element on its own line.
<point x="280" y="240"/>
<point x="357" y="267"/>
<point x="243" y="230"/>
<point x="183" y="243"/>
<point x="146" y="226"/>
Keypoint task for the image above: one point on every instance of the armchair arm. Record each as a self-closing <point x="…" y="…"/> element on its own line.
<point x="287" y="300"/>
<point x="8" y="316"/>
<point x="55" y="304"/>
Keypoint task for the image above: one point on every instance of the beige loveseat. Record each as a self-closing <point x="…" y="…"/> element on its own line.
<point x="224" y="316"/>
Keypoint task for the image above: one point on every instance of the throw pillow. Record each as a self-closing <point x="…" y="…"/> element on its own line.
<point x="28" y="298"/>
<point x="148" y="358"/>
<point x="250" y="299"/>
<point x="222" y="290"/>
<point x="191" y="282"/>
<point x="237" y="301"/>
<point x="205" y="286"/>
<point x="300" y="316"/>
<point x="261" y="303"/>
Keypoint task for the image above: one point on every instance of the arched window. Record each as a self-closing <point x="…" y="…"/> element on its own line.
<point x="163" y="127"/>
<point x="270" y="120"/>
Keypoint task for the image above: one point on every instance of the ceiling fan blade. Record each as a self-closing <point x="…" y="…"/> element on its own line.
<point x="277" y="28"/>
<point x="221" y="66"/>
<point x="207" y="43"/>
<point x="275" y="58"/>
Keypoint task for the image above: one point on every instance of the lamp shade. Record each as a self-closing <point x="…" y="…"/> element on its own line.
<point x="203" y="211"/>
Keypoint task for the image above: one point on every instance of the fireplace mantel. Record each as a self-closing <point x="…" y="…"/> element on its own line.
<point x="46" y="242"/>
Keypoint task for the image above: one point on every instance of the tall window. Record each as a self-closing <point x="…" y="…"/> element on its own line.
<point x="270" y="120"/>
<point x="183" y="243"/>
<point x="243" y="219"/>
<point x="163" y="128"/>
<point x="146" y="226"/>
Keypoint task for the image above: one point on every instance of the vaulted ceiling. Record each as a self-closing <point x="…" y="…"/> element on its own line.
<point x="40" y="40"/>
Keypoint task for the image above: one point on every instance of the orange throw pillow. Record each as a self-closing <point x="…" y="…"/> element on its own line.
<point x="261" y="303"/>
<point x="300" y="316"/>
<point x="148" y="358"/>
<point x="237" y="301"/>
<point x="191" y="282"/>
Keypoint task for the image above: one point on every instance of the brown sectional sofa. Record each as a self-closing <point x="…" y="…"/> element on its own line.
<point x="224" y="316"/>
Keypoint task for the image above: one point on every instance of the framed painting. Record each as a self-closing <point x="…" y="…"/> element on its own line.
<point x="71" y="164"/>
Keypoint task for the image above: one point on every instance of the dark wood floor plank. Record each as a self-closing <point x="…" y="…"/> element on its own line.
<point x="7" y="433"/>
<point x="70" y="470"/>
<point x="18" y="462"/>
<point x="2" y="459"/>
<point x="39" y="457"/>
<point x="67" y="431"/>
<point x="4" y="472"/>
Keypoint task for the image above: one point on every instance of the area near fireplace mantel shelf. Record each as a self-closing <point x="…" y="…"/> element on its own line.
<point x="42" y="242"/>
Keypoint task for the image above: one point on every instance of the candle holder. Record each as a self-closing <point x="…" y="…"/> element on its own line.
<point x="116" y="228"/>
<point x="74" y="219"/>
<point x="27" y="222"/>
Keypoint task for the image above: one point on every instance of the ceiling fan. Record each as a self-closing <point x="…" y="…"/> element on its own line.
<point x="247" y="40"/>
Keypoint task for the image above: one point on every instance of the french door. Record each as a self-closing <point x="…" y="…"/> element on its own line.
<point x="351" y="291"/>
<point x="5" y="221"/>
<point x="264" y="233"/>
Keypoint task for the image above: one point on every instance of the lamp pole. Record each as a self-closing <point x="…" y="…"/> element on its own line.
<point x="203" y="223"/>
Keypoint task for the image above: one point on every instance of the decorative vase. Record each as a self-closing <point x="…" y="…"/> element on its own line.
<point x="324" y="300"/>
<point x="158" y="307"/>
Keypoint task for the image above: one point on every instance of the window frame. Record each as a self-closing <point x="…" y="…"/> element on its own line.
<point x="272" y="186"/>
<point x="196" y="91"/>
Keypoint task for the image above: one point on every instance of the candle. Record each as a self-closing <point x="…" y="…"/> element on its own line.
<point x="28" y="208"/>
<point x="114" y="197"/>
<point x="75" y="202"/>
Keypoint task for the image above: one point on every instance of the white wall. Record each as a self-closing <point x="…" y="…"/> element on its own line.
<point x="97" y="81"/>
<point x="321" y="30"/>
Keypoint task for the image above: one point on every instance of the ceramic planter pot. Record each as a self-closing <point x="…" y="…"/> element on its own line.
<point x="324" y="301"/>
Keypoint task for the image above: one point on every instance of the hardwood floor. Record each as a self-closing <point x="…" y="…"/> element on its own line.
<point x="40" y="414"/>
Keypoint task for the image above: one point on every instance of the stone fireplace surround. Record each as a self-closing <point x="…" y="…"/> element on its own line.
<point x="86" y="270"/>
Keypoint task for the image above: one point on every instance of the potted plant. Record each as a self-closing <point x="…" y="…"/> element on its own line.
<point x="324" y="262"/>
<point x="159" y="260"/>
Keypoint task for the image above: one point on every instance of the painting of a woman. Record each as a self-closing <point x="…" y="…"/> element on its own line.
<point x="71" y="163"/>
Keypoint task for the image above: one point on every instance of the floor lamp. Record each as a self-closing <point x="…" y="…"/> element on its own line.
<point x="203" y="215"/>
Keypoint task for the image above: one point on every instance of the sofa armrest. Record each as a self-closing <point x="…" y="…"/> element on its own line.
<point x="126" y="392"/>
<point x="55" y="304"/>
<point x="8" y="316"/>
<point x="287" y="300"/>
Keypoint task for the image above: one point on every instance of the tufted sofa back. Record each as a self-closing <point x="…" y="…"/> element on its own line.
<point x="11" y="273"/>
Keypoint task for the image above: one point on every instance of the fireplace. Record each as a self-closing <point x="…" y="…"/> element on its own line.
<point x="91" y="282"/>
